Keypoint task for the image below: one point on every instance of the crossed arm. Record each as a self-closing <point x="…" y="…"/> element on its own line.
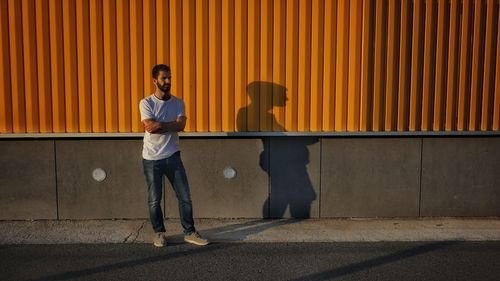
<point x="154" y="127"/>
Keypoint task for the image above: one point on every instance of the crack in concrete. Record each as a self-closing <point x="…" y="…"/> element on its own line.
<point x="126" y="240"/>
<point x="139" y="231"/>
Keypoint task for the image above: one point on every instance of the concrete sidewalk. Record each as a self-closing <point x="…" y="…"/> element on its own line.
<point x="254" y="230"/>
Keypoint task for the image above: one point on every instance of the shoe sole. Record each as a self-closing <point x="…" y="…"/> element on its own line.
<point x="159" y="245"/>
<point x="196" y="243"/>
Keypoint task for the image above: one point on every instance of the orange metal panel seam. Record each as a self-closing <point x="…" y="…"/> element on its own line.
<point x="453" y="71"/>
<point x="417" y="58"/>
<point x="329" y="81"/>
<point x="123" y="66"/>
<point x="489" y="67"/>
<point x="441" y="65"/>
<point x="5" y="77"/>
<point x="477" y="66"/>
<point x="292" y="53"/>
<point x="70" y="66"/>
<point x="202" y="87"/>
<point x="429" y="65"/>
<point x="279" y="65"/>
<point x="404" y="67"/>
<point x="57" y="66"/>
<point x="380" y="66"/>
<point x="189" y="62"/>
<point x="304" y="83"/>
<point x="465" y="66"/>
<point x="367" y="56"/>
<point x="97" y="66"/>
<point x="228" y="65"/>
<point x="83" y="64"/>
<point x="215" y="66"/>
<point x="136" y="62"/>
<point x="163" y="32"/>
<point x="354" y="68"/>
<point x="496" y="106"/>
<point x="30" y="66"/>
<point x="149" y="47"/>
<point x="342" y="70"/>
<point x="240" y="61"/>
<point x="392" y="83"/>
<point x="317" y="40"/>
<point x="43" y="66"/>
<point x="175" y="45"/>
<point x="266" y="66"/>
<point x="253" y="108"/>
<point x="17" y="66"/>
<point x="110" y="66"/>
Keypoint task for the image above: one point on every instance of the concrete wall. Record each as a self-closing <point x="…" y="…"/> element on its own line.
<point x="303" y="177"/>
<point x="27" y="180"/>
<point x="120" y="195"/>
<point x="461" y="177"/>
<point x="370" y="177"/>
<point x="213" y="195"/>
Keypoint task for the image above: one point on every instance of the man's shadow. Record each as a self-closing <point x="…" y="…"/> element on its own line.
<point x="285" y="160"/>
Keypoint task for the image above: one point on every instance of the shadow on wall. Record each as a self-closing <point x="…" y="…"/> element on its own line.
<point x="266" y="95"/>
<point x="290" y="185"/>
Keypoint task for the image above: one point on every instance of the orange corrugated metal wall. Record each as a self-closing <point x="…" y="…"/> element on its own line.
<point x="366" y="65"/>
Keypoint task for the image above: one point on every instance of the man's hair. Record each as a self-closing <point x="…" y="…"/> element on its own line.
<point x="159" y="67"/>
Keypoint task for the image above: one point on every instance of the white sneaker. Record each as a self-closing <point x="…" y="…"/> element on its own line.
<point x="195" y="238"/>
<point x="159" y="239"/>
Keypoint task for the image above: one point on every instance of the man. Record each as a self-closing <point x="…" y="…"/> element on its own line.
<point x="163" y="115"/>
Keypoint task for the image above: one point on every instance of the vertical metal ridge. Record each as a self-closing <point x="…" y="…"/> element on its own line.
<point x="477" y="65"/>
<point x="354" y="69"/>
<point x="215" y="66"/>
<point x="392" y="82"/>
<point x="329" y="79"/>
<point x="489" y="66"/>
<point x="379" y="65"/>
<point x="453" y="68"/>
<point x="17" y="66"/>
<point x="367" y="66"/>
<point x="70" y="66"/>
<point x="201" y="45"/>
<point x="83" y="62"/>
<point x="30" y="67"/>
<point x="304" y="79"/>
<point x="110" y="66"/>
<point x="405" y="47"/>
<point x="342" y="69"/>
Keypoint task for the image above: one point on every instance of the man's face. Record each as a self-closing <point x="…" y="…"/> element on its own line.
<point x="163" y="81"/>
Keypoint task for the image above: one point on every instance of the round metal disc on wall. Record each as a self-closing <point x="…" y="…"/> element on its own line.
<point x="229" y="173"/>
<point x="99" y="174"/>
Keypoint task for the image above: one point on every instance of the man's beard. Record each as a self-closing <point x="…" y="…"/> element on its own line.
<point x="165" y="88"/>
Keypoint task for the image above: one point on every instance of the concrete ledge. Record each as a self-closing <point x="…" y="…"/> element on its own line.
<point x="250" y="230"/>
<point x="254" y="134"/>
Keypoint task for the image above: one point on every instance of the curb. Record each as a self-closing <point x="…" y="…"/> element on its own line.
<point x="254" y="230"/>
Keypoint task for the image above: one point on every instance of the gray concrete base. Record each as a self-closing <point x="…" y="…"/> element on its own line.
<point x="250" y="230"/>
<point x="274" y="177"/>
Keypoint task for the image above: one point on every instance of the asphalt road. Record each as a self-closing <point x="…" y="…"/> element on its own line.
<point x="252" y="261"/>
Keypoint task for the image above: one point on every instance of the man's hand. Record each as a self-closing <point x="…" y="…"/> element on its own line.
<point x="152" y="126"/>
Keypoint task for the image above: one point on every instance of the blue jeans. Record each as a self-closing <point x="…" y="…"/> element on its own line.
<point x="173" y="168"/>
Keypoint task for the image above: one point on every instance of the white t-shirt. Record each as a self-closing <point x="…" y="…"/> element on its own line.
<point x="160" y="146"/>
